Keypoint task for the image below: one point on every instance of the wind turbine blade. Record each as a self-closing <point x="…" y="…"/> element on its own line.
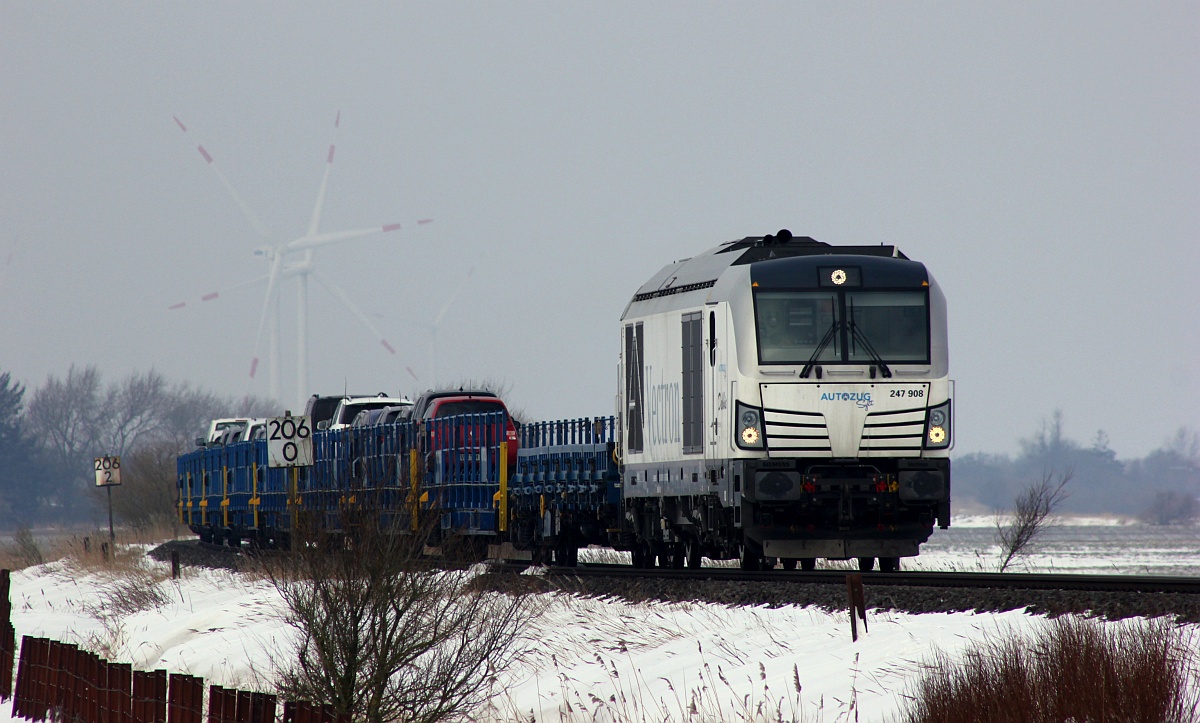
<point x="257" y="224"/>
<point x="272" y="282"/>
<point x="446" y="307"/>
<point x="342" y="297"/>
<point x="216" y="294"/>
<point x="314" y="223"/>
<point x="412" y="374"/>
<point x="313" y="241"/>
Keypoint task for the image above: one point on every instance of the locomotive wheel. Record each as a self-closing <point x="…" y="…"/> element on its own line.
<point x="643" y="556"/>
<point x="566" y="556"/>
<point x="661" y="553"/>
<point x="678" y="556"/>
<point x="693" y="554"/>
<point x="788" y="563"/>
<point x="808" y="564"/>
<point x="866" y="564"/>
<point x="889" y="564"/>
<point x="752" y="559"/>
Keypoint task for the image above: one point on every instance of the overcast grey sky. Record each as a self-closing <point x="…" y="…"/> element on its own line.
<point x="1043" y="160"/>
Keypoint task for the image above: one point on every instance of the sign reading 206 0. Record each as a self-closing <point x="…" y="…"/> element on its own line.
<point x="289" y="442"/>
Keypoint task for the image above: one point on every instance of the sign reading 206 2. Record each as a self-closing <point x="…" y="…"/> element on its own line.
<point x="108" y="471"/>
<point x="289" y="442"/>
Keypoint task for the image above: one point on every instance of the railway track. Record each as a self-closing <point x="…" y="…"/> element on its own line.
<point x="975" y="580"/>
<point x="1007" y="580"/>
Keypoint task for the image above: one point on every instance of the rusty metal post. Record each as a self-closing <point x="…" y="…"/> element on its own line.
<point x="215" y="704"/>
<point x="242" y="707"/>
<point x="8" y="638"/>
<point x="18" y="708"/>
<point x="120" y="692"/>
<point x="263" y="708"/>
<point x="41" y="671"/>
<point x="858" y="605"/>
<point x="185" y="694"/>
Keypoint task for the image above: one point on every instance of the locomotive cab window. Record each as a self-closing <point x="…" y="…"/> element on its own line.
<point x="895" y="323"/>
<point x="850" y="326"/>
<point x="793" y="324"/>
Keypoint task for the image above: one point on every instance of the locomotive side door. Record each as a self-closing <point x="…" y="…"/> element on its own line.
<point x="716" y="373"/>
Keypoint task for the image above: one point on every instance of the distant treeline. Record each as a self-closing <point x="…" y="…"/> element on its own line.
<point x="1161" y="488"/>
<point x="49" y="437"/>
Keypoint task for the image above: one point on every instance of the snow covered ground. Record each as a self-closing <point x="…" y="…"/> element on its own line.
<point x="627" y="661"/>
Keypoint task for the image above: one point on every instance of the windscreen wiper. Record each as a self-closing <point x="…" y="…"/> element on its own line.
<point x="812" y="360"/>
<point x="861" y="338"/>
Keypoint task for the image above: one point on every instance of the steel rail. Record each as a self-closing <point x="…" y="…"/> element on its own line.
<point x="1005" y="580"/>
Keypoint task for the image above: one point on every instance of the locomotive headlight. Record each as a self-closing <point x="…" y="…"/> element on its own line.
<point x="749" y="427"/>
<point x="937" y="428"/>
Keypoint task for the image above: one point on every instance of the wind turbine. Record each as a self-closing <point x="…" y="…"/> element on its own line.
<point x="435" y="326"/>
<point x="295" y="259"/>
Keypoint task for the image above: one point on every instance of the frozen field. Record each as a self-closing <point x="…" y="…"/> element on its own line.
<point x="593" y="659"/>
<point x="1076" y="545"/>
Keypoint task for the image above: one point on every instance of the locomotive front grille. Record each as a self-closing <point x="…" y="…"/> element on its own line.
<point x="898" y="431"/>
<point x="796" y="432"/>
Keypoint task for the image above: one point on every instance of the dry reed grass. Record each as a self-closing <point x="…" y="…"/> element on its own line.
<point x="1075" y="669"/>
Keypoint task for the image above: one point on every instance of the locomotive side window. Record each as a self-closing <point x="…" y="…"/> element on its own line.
<point x="633" y="386"/>
<point x="693" y="383"/>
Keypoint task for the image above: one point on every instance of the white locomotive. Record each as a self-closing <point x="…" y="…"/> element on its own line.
<point x="781" y="398"/>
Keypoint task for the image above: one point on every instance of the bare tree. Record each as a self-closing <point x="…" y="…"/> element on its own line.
<point x="382" y="635"/>
<point x="72" y="419"/>
<point x="1030" y="515"/>
<point x="63" y="415"/>
<point x="187" y="413"/>
<point x="1170" y="508"/>
<point x="132" y="410"/>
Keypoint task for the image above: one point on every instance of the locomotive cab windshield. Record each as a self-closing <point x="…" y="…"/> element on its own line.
<point x="858" y="327"/>
<point x="811" y="311"/>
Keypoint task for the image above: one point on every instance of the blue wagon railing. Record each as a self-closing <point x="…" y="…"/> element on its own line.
<point x="453" y="467"/>
<point x="567" y="465"/>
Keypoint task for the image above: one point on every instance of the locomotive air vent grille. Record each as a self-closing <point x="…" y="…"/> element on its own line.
<point x="901" y="430"/>
<point x="789" y="431"/>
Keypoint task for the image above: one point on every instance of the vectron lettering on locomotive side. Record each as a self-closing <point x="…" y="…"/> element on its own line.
<point x="665" y="410"/>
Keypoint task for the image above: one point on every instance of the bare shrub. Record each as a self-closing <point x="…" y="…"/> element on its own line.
<point x="26" y="548"/>
<point x="1171" y="508"/>
<point x="1075" y="669"/>
<point x="147" y="495"/>
<point x="1030" y="516"/>
<point x="384" y="635"/>
<point x="129" y="593"/>
<point x="129" y="587"/>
